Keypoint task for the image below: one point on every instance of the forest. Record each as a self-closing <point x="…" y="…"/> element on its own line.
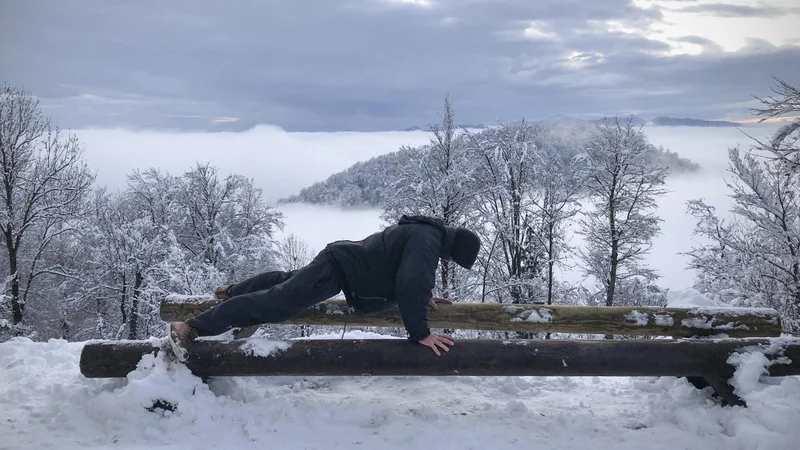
<point x="370" y="183"/>
<point x="82" y="262"/>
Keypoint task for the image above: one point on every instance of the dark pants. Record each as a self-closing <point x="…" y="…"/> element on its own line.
<point x="271" y="297"/>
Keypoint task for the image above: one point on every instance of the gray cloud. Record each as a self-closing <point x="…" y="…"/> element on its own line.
<point x="707" y="44"/>
<point x="362" y="64"/>
<point x="728" y="10"/>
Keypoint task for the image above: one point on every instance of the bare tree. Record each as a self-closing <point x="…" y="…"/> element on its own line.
<point x="623" y="184"/>
<point x="785" y="144"/>
<point x="155" y="194"/>
<point x="293" y="253"/>
<point x="45" y="184"/>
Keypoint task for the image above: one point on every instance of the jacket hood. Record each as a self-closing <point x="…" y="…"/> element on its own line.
<point x="448" y="233"/>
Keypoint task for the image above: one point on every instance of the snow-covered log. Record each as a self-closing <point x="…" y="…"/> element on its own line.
<point x="677" y="322"/>
<point x="477" y="357"/>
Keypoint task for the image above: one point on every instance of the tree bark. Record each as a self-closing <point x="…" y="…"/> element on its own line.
<point x="133" y="330"/>
<point x="469" y="357"/>
<point x="123" y="300"/>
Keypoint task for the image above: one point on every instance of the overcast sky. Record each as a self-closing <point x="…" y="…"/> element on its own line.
<point x="327" y="65"/>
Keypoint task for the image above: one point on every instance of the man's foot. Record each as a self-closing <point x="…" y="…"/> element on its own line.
<point x="221" y="292"/>
<point x="180" y="335"/>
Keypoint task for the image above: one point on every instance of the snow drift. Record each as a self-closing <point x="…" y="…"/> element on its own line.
<point x="48" y="404"/>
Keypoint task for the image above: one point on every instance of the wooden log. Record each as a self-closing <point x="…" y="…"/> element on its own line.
<point x="478" y="357"/>
<point x="676" y="322"/>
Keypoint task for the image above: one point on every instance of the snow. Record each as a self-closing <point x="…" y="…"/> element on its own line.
<point x="182" y="298"/>
<point x="664" y="320"/>
<point x="353" y="334"/>
<point x="263" y="347"/>
<point x="736" y="311"/>
<point x="5" y="323"/>
<point x="637" y="317"/>
<point x="699" y="304"/>
<point x="697" y="322"/>
<point x="686" y="298"/>
<point x="48" y="404"/>
<point x="542" y="315"/>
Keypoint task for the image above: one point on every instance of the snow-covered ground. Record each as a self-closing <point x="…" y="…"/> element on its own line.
<point x="45" y="403"/>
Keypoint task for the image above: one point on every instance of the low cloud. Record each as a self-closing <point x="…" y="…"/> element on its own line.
<point x="222" y="120"/>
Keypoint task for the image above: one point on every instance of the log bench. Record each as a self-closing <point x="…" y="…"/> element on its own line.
<point x="695" y="343"/>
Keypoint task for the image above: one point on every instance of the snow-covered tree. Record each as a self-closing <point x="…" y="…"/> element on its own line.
<point x="226" y="223"/>
<point x="438" y="181"/>
<point x="753" y="259"/>
<point x="559" y="184"/>
<point x="129" y="265"/>
<point x="45" y="185"/>
<point x="785" y="144"/>
<point x="514" y="258"/>
<point x="167" y="234"/>
<point x="623" y="185"/>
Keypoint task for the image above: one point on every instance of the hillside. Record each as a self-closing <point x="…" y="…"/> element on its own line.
<point x="687" y="122"/>
<point x="362" y="184"/>
<point x="367" y="183"/>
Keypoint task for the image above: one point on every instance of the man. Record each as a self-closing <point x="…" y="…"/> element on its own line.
<point x="393" y="266"/>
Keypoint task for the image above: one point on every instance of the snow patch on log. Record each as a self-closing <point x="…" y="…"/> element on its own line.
<point x="542" y="315"/>
<point x="664" y="320"/>
<point x="707" y="323"/>
<point x="182" y="298"/>
<point x="696" y="322"/>
<point x="768" y="313"/>
<point x="263" y="347"/>
<point x="639" y="318"/>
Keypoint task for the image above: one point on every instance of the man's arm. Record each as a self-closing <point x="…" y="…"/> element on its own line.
<point x="416" y="278"/>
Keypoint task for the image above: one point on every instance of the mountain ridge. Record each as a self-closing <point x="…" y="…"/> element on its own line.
<point x="566" y="119"/>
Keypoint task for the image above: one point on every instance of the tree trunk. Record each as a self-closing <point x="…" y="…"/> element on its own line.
<point x="612" y="277"/>
<point x="445" y="277"/>
<point x="133" y="330"/>
<point x="122" y="309"/>
<point x="17" y="307"/>
<point x="550" y="263"/>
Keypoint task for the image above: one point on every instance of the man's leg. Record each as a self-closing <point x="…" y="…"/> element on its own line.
<point x="308" y="286"/>
<point x="258" y="282"/>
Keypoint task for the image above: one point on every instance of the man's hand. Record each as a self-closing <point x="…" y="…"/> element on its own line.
<point x="434" y="300"/>
<point x="441" y="340"/>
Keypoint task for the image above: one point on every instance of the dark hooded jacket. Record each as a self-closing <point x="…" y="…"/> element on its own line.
<point x="395" y="266"/>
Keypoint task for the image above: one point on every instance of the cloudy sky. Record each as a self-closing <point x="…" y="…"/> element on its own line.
<point x="322" y="65"/>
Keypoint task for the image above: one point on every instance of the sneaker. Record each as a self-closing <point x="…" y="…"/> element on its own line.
<point x="180" y="335"/>
<point x="221" y="292"/>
